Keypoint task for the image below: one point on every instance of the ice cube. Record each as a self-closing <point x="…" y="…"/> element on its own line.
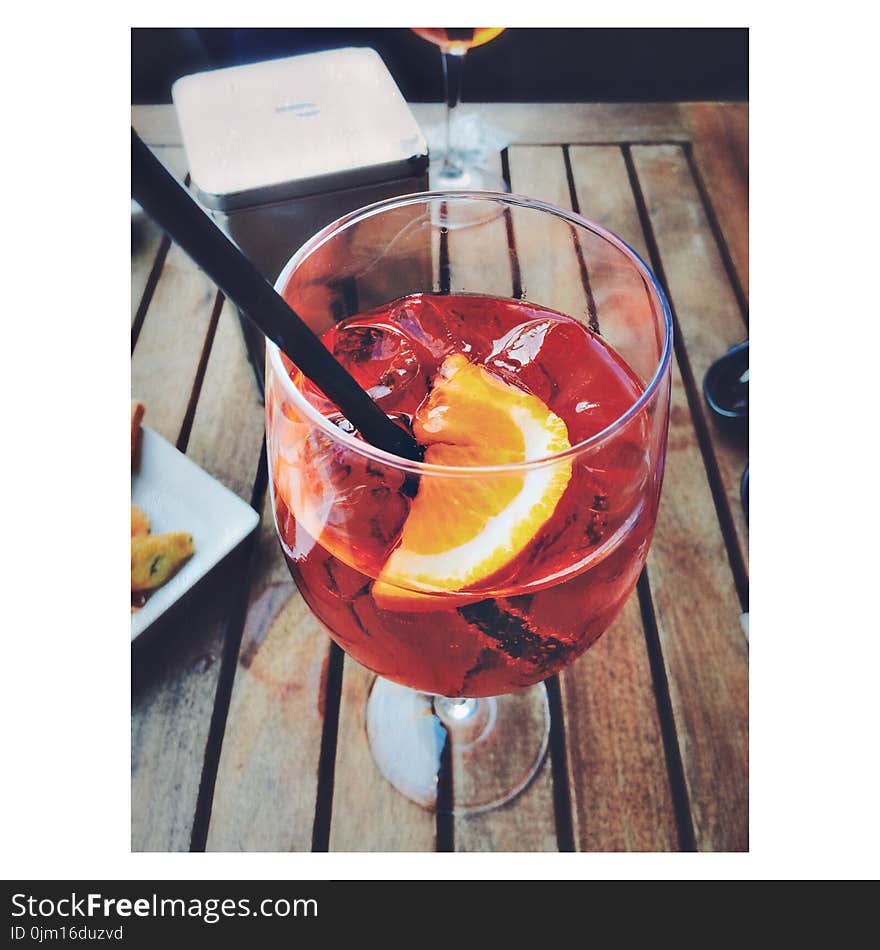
<point x="381" y="359"/>
<point x="357" y="505"/>
<point x="427" y="327"/>
<point x="544" y="357"/>
<point x="515" y="358"/>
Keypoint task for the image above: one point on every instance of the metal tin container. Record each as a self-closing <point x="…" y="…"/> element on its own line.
<point x="279" y="149"/>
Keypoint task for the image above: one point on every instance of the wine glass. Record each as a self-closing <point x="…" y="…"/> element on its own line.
<point x="464" y="585"/>
<point x="454" y="168"/>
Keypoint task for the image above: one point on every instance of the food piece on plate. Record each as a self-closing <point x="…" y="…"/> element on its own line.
<point x="140" y="522"/>
<point x="137" y="417"/>
<point x="156" y="557"/>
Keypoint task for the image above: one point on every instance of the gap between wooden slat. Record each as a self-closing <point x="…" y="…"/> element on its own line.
<point x="717" y="233"/>
<point x="562" y="809"/>
<point x="256" y="357"/>
<point x="578" y="250"/>
<point x="444" y="819"/>
<point x="444" y="279"/>
<point x="149" y="287"/>
<point x="152" y="281"/>
<point x="516" y="275"/>
<point x="692" y="390"/>
<point x="327" y="758"/>
<point x="614" y="143"/>
<point x="226" y="678"/>
<point x="190" y="414"/>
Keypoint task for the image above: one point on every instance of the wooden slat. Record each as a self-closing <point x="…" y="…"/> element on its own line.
<point x="145" y="240"/>
<point x="693" y="590"/>
<point x="265" y="793"/>
<point x="227" y="429"/>
<point x="170" y="344"/>
<point x="549" y="271"/>
<point x="705" y="305"/>
<point x="478" y="257"/>
<point x="553" y="122"/>
<point x="525" y="824"/>
<point x="175" y="673"/>
<point x="618" y="783"/>
<point x="619" y="787"/>
<point x="544" y="123"/>
<point x="720" y="132"/>
<point x="368" y="813"/>
<point x="145" y="235"/>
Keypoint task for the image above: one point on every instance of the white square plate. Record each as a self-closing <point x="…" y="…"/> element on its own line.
<point x="179" y="496"/>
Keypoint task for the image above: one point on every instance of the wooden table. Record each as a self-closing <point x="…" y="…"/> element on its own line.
<point x="247" y="730"/>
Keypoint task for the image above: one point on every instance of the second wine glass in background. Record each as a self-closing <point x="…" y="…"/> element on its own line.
<point x="454" y="168"/>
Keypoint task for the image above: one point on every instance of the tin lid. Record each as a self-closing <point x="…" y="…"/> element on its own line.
<point x="293" y="127"/>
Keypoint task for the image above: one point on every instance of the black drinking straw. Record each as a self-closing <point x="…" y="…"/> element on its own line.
<point x="176" y="211"/>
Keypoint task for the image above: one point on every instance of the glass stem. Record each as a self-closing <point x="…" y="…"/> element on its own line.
<point x="454" y="710"/>
<point x="453" y="71"/>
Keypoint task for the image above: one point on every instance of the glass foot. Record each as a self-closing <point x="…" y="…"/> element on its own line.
<point x="491" y="748"/>
<point x="463" y="214"/>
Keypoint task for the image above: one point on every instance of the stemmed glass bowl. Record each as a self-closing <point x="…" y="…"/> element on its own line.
<point x="459" y="689"/>
<point x="453" y="169"/>
<point x="457" y="166"/>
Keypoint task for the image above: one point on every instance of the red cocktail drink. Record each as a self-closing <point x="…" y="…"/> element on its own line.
<point x="546" y="604"/>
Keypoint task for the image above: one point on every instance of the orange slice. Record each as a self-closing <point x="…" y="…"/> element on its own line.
<point x="461" y="529"/>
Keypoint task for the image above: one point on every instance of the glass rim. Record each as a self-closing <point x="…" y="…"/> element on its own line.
<point x="421" y="468"/>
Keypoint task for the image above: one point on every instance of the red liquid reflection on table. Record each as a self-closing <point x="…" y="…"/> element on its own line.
<point x="558" y="594"/>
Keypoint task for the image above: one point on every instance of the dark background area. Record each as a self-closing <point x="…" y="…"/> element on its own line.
<point x="521" y="65"/>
